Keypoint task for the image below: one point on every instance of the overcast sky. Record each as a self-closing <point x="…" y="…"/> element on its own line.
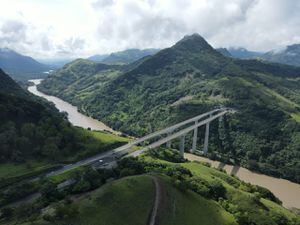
<point x="79" y="28"/>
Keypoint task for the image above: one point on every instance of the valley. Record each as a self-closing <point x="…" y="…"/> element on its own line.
<point x="290" y="199"/>
<point x="185" y="80"/>
<point x="75" y="117"/>
<point x="150" y="112"/>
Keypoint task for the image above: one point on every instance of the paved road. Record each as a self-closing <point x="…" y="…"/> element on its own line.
<point x="178" y="134"/>
<point x="127" y="148"/>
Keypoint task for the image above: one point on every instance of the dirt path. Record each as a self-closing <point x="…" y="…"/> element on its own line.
<point x="158" y="201"/>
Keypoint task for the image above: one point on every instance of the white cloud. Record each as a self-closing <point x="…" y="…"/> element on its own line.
<point x="54" y="28"/>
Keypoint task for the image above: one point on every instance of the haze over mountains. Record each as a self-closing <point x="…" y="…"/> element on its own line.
<point x="289" y="55"/>
<point x="21" y="67"/>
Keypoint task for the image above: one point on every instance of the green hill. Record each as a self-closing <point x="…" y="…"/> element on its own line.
<point x="34" y="136"/>
<point x="125" y="57"/>
<point x="190" y="78"/>
<point x="191" y="193"/>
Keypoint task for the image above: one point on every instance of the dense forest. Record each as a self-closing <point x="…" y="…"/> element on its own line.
<point x="32" y="129"/>
<point x="191" y="78"/>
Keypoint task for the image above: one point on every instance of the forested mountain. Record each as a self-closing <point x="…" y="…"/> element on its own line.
<point x="124" y="57"/>
<point x="21" y="67"/>
<point x="97" y="58"/>
<point x="31" y="129"/>
<point x="290" y="55"/>
<point x="191" y="78"/>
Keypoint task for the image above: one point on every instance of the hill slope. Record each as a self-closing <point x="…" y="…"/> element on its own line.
<point x="191" y="193"/>
<point x="32" y="130"/>
<point x="290" y="55"/>
<point x="124" y="57"/>
<point x="21" y="67"/>
<point x="191" y="78"/>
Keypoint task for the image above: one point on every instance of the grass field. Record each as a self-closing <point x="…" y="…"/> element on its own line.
<point x="189" y="208"/>
<point x="108" y="138"/>
<point x="11" y="173"/>
<point x="127" y="201"/>
<point x="11" y="170"/>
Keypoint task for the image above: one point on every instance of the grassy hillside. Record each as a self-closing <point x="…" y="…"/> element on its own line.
<point x="192" y="193"/>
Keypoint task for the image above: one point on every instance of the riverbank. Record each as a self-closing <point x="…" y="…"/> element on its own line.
<point x="75" y="117"/>
<point x="287" y="191"/>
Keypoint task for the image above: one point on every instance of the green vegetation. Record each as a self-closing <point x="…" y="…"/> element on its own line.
<point x="191" y="78"/>
<point x="191" y="208"/>
<point x="128" y="56"/>
<point x="35" y="139"/>
<point x="190" y="193"/>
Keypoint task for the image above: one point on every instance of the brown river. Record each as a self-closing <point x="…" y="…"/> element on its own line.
<point x="75" y="117"/>
<point x="288" y="192"/>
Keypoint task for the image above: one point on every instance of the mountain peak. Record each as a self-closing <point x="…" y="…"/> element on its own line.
<point x="194" y="43"/>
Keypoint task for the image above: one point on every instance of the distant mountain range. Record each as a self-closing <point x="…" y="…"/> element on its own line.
<point x="21" y="67"/>
<point x="289" y="55"/>
<point x="124" y="57"/>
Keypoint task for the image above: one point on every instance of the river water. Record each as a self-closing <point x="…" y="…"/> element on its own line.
<point x="288" y="192"/>
<point x="75" y="117"/>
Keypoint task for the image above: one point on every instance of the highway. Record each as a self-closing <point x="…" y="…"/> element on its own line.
<point x="125" y="149"/>
<point x="178" y="134"/>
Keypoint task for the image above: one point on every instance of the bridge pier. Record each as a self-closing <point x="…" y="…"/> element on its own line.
<point x="195" y="136"/>
<point x="168" y="144"/>
<point x="181" y="147"/>
<point x="205" y="148"/>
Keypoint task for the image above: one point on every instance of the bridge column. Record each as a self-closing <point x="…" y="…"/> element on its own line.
<point x="205" y="148"/>
<point x="168" y="144"/>
<point x="194" y="146"/>
<point x="181" y="147"/>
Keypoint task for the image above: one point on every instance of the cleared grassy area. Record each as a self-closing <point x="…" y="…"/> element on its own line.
<point x="11" y="170"/>
<point x="192" y="209"/>
<point x="11" y="173"/>
<point x="127" y="201"/>
<point x="108" y="138"/>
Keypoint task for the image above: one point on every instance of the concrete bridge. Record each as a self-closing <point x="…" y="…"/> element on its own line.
<point x="180" y="130"/>
<point x="158" y="138"/>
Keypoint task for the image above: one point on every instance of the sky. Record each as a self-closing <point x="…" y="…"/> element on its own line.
<point x="80" y="28"/>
